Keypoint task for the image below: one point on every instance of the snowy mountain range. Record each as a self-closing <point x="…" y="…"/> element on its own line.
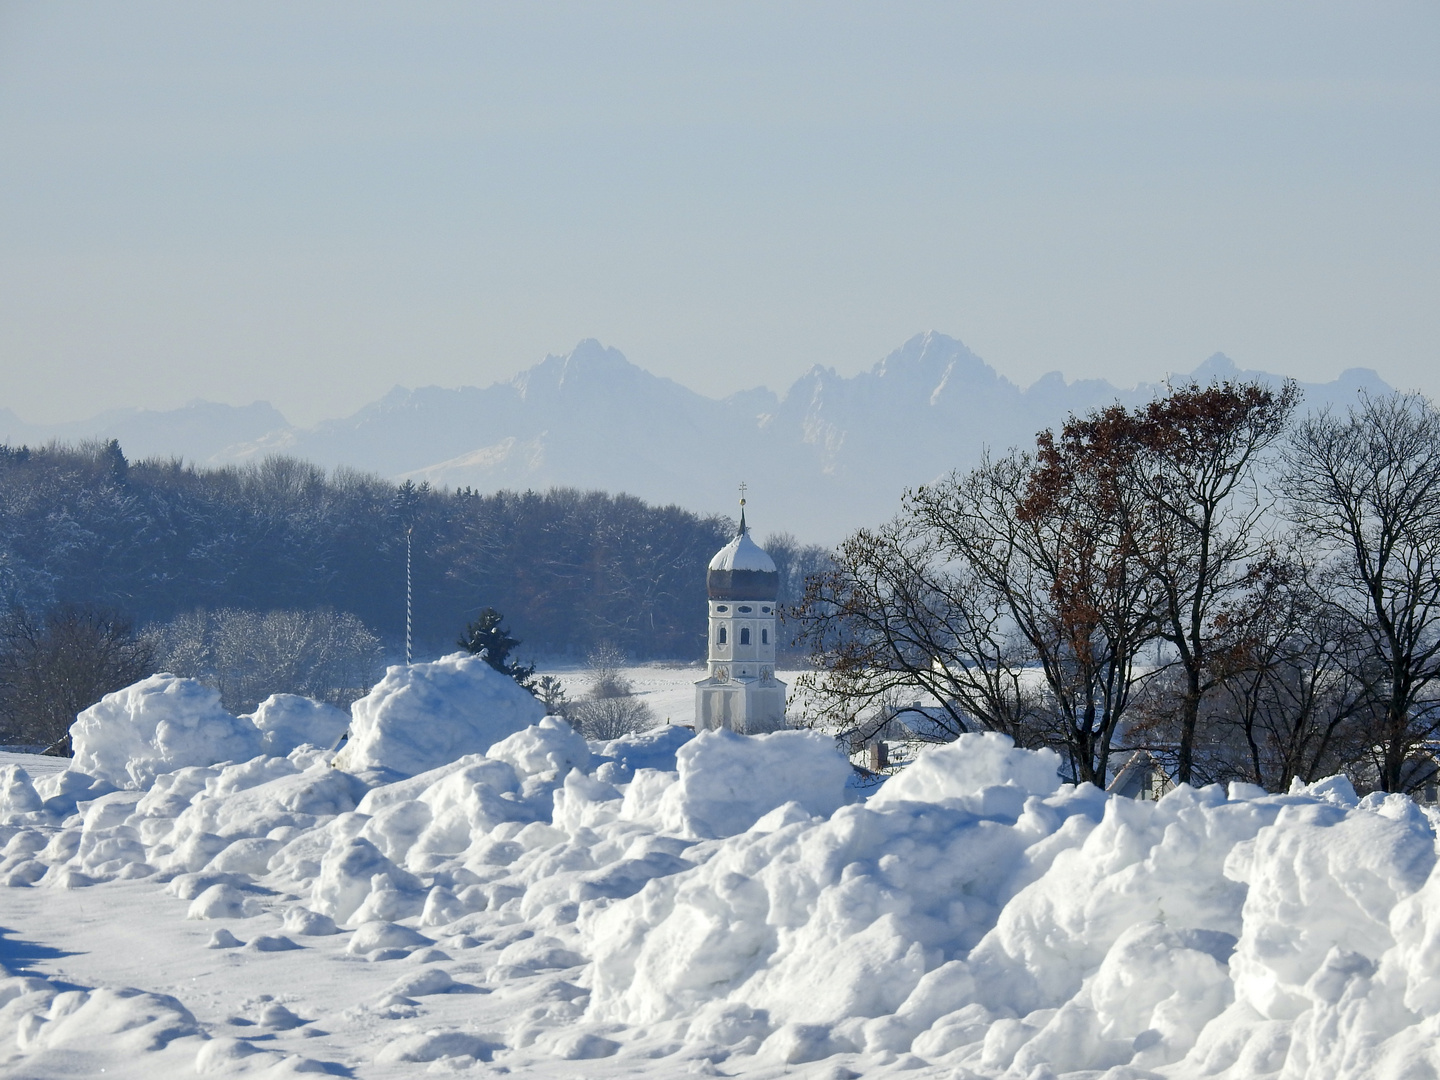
<point x="830" y="454"/>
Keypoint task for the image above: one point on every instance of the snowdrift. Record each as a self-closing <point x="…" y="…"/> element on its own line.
<point x="727" y="902"/>
<point x="426" y="715"/>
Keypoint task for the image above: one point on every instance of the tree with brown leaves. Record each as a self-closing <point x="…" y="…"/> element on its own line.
<point x="1051" y="545"/>
<point x="1021" y="595"/>
<point x="1188" y="462"/>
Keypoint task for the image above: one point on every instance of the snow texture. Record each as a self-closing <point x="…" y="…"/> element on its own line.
<point x="724" y="783"/>
<point x="471" y="886"/>
<point x="287" y="721"/>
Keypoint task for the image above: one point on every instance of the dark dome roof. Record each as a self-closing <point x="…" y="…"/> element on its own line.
<point x="742" y="570"/>
<point x="742" y="584"/>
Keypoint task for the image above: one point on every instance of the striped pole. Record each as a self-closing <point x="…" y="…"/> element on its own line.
<point x="408" y="531"/>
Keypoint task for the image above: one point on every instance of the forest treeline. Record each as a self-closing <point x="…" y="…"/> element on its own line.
<point x="1248" y="593"/>
<point x="153" y="540"/>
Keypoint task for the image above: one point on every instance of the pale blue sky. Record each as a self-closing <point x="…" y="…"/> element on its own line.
<point x="311" y="202"/>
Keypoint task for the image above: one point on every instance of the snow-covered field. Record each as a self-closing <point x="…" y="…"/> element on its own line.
<point x="668" y="689"/>
<point x="469" y="888"/>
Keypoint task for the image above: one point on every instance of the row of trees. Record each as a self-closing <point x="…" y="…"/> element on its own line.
<point x="1248" y="595"/>
<point x="159" y="539"/>
<point x="58" y="663"/>
<point x="248" y="655"/>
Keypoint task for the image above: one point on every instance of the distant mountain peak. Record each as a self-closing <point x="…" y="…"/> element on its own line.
<point x="588" y="364"/>
<point x="1363" y="378"/>
<point x="1051" y="380"/>
<point x="937" y="363"/>
<point x="590" y="358"/>
<point x="1217" y="366"/>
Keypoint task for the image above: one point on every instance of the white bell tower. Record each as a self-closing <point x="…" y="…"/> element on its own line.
<point x="741" y="693"/>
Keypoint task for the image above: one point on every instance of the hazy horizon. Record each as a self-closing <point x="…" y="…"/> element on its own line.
<point x="309" y="204"/>
<point x="780" y="389"/>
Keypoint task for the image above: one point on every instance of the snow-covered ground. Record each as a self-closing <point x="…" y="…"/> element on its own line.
<point x="468" y="888"/>
<point x="36" y="764"/>
<point x="668" y="689"/>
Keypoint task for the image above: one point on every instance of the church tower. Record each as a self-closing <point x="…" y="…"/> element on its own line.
<point x="741" y="693"/>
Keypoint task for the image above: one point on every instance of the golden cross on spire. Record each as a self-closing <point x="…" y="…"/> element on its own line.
<point x="742" y="492"/>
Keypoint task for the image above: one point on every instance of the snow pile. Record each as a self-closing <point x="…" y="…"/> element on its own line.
<point x="287" y="721"/>
<point x="157" y="726"/>
<point x="544" y="752"/>
<point x="983" y="773"/>
<point x="724" y="782"/>
<point x="676" y="901"/>
<point x="163" y="723"/>
<point x="618" y="759"/>
<point x="19" y="801"/>
<point x="426" y="715"/>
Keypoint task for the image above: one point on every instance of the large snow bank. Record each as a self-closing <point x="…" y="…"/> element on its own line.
<point x="667" y="899"/>
<point x="819" y="921"/>
<point x="156" y="726"/>
<point x="423" y="716"/>
<point x="163" y="723"/>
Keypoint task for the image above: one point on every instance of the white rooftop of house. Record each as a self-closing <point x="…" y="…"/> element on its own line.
<point x="742" y="553"/>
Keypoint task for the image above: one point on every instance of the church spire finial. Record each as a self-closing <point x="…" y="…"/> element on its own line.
<point x="743" y="529"/>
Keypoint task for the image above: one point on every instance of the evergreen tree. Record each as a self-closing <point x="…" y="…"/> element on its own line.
<point x="486" y="637"/>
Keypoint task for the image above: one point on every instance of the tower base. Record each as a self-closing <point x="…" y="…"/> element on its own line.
<point x="747" y="706"/>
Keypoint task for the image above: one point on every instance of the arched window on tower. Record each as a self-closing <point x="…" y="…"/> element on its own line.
<point x="744" y="635"/>
<point x="720" y="637"/>
<point x="764" y="636"/>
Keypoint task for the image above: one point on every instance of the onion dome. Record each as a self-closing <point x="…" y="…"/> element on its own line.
<point x="741" y="570"/>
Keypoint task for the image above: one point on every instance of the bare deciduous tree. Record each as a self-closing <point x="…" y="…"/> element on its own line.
<point x="1191" y="459"/>
<point x="1011" y="595"/>
<point x="892" y="620"/>
<point x="1284" y="703"/>
<point x="54" y="666"/>
<point x="1364" y="490"/>
<point x="611" y="717"/>
<point x="795" y="563"/>
<point x="606" y="678"/>
<point x="249" y="655"/>
<point x="1048" y="539"/>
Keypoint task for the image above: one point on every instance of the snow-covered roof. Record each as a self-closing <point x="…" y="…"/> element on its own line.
<point x="742" y="553"/>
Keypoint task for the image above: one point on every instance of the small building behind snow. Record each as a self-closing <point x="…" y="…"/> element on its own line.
<point x="1141" y="777"/>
